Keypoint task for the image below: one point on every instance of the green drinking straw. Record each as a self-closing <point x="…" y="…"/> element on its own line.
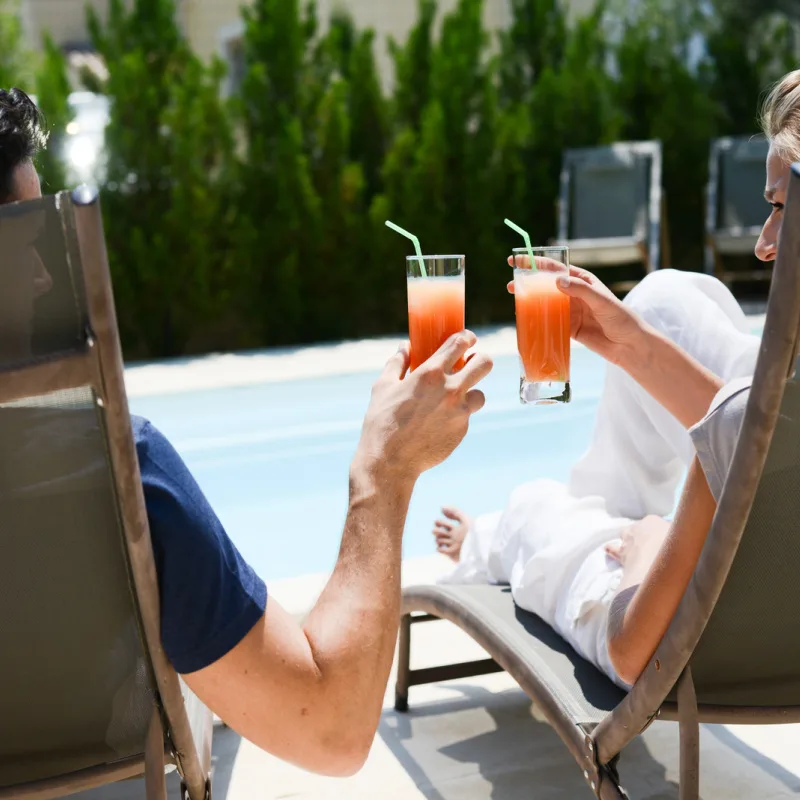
<point x="414" y="239"/>
<point x="527" y="239"/>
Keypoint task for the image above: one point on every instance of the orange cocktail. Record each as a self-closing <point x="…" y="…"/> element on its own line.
<point x="543" y="335"/>
<point x="435" y="305"/>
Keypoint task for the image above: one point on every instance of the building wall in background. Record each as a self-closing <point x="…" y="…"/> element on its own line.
<point x="212" y="25"/>
<point x="207" y="18"/>
<point x="215" y="27"/>
<point x="64" y="19"/>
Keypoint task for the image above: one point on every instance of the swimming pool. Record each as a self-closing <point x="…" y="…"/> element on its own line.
<point x="273" y="459"/>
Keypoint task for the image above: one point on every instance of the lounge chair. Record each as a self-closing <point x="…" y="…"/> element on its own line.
<point x="730" y="654"/>
<point x="736" y="211"/>
<point x="88" y="696"/>
<point x="611" y="206"/>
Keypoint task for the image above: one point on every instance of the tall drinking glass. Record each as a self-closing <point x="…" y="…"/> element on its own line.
<point x="435" y="304"/>
<point x="543" y="327"/>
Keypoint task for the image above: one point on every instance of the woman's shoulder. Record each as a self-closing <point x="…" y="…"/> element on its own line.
<point x="732" y="397"/>
<point x="715" y="436"/>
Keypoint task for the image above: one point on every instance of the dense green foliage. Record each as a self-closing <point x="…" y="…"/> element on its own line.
<point x="14" y="58"/>
<point x="255" y="217"/>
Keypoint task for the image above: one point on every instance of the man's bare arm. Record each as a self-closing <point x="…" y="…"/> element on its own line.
<point x="312" y="694"/>
<point x="651" y="590"/>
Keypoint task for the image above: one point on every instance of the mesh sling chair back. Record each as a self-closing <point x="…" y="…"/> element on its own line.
<point x="611" y="206"/>
<point x="88" y="695"/>
<point x="728" y="655"/>
<point x="735" y="210"/>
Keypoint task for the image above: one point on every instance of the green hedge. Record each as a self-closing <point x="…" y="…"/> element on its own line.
<point x="257" y="219"/>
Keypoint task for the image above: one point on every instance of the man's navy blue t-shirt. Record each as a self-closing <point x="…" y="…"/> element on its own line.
<point x="210" y="597"/>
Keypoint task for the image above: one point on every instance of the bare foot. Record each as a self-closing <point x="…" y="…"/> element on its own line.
<point x="450" y="532"/>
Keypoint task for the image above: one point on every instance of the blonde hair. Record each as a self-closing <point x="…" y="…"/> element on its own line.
<point x="780" y="117"/>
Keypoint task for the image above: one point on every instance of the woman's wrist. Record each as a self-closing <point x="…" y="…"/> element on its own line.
<point x="634" y="352"/>
<point x="670" y="375"/>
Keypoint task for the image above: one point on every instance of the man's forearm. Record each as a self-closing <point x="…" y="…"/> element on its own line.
<point x="671" y="376"/>
<point x="352" y="630"/>
<point x="312" y="693"/>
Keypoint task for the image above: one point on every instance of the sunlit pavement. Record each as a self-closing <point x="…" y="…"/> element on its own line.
<point x="479" y="739"/>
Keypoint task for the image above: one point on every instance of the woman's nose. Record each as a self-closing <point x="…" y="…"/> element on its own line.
<point x="767" y="245"/>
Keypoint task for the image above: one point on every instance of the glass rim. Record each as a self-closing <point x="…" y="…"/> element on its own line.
<point x="523" y="250"/>
<point x="434" y="258"/>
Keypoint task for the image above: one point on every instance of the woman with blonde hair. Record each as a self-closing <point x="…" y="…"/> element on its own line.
<point x="597" y="557"/>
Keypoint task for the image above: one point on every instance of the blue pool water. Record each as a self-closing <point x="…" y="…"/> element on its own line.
<point x="273" y="459"/>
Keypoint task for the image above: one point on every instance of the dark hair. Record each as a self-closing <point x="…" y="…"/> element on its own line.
<point x="22" y="136"/>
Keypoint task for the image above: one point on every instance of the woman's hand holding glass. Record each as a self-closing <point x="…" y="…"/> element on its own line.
<point x="598" y="319"/>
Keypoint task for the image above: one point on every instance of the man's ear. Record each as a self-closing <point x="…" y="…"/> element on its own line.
<point x="25" y="183"/>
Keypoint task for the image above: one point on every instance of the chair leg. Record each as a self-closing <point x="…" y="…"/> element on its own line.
<point x="611" y="790"/>
<point x="607" y="785"/>
<point x="154" y="777"/>
<point x="403" y="665"/>
<point x="689" y="727"/>
<point x="185" y="791"/>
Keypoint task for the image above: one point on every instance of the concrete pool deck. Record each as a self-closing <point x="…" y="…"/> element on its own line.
<point x="479" y="739"/>
<point x="228" y="370"/>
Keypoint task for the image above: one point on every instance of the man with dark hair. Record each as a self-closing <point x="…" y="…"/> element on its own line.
<point x="22" y="136"/>
<point x="311" y="693"/>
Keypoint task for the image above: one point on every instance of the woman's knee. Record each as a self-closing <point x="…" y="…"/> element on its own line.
<point x="668" y="295"/>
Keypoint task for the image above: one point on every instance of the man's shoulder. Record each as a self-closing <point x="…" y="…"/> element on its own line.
<point x="159" y="461"/>
<point x="149" y="440"/>
<point x="210" y="597"/>
<point x="142" y="429"/>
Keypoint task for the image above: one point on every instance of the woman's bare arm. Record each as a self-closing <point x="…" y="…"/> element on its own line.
<point x="651" y="590"/>
<point x="671" y="376"/>
<point x="611" y="329"/>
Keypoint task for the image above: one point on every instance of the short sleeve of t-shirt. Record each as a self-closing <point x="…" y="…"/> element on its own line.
<point x="210" y="597"/>
<point x="715" y="436"/>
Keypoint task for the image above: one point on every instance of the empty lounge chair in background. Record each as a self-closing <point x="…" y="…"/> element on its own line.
<point x="731" y="653"/>
<point x="611" y="206"/>
<point x="736" y="211"/>
<point x="88" y="696"/>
